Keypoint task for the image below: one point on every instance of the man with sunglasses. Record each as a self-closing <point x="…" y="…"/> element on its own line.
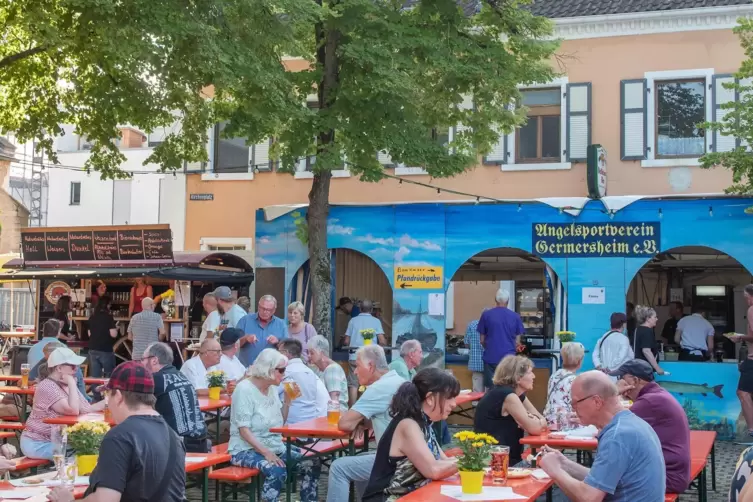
<point x="196" y="368"/>
<point x="629" y="465"/>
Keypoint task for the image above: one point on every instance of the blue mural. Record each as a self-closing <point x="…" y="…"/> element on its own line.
<point x="447" y="235"/>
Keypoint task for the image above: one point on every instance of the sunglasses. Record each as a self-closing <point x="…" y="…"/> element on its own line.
<point x="281" y="371"/>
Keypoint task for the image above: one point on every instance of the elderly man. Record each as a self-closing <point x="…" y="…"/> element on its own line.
<point x="370" y="411"/>
<point x="212" y="322"/>
<point x="262" y="330"/>
<point x="499" y="330"/>
<point x="195" y="369"/>
<point x="145" y="328"/>
<point x="410" y="358"/>
<point x="664" y="414"/>
<point x="312" y="402"/>
<point x="177" y="400"/>
<point x="333" y="374"/>
<point x="229" y="363"/>
<point x="353" y="338"/>
<point x="629" y="465"/>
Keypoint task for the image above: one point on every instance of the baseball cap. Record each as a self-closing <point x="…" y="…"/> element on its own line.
<point x="636" y="367"/>
<point x="64" y="355"/>
<point x="223" y="293"/>
<point x="344" y="301"/>
<point x="230" y="336"/>
<point x="131" y="377"/>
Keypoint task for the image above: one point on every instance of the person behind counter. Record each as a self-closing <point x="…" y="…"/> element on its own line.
<point x="696" y="338"/>
<point x="98" y="291"/>
<point x="102" y="335"/>
<point x="644" y="345"/>
<point x="62" y="313"/>
<point x="676" y="312"/>
<point x="139" y="291"/>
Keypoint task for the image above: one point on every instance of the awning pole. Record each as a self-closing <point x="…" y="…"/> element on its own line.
<point x="12" y="305"/>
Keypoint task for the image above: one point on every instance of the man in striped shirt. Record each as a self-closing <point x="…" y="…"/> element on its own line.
<point x="475" y="359"/>
<point x="145" y="328"/>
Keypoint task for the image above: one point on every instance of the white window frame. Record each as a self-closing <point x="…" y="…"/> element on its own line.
<point x="213" y="176"/>
<point x="560" y="82"/>
<point x="660" y="76"/>
<point x="205" y="242"/>
<point x="70" y="195"/>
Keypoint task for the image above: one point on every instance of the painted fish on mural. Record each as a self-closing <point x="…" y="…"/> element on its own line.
<point x="683" y="388"/>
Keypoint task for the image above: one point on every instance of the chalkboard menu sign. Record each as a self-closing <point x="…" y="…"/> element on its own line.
<point x="138" y="243"/>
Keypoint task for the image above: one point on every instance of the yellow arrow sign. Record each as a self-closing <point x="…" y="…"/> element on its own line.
<point x="419" y="277"/>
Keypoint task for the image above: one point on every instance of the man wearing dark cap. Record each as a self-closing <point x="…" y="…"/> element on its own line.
<point x="347" y="306"/>
<point x="663" y="413"/>
<point x="142" y="458"/>
<point x="229" y="362"/>
<point x="613" y="348"/>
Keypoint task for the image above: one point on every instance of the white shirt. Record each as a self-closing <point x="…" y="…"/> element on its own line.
<point x="308" y="406"/>
<point x="196" y="372"/>
<point x="233" y="368"/>
<point x="613" y="351"/>
<point x="694" y="330"/>
<point x="211" y="323"/>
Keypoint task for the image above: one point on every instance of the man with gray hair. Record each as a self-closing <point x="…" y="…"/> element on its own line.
<point x="354" y="338"/>
<point x="500" y="330"/>
<point x="145" y="328"/>
<point x="177" y="400"/>
<point x="411" y="355"/>
<point x="332" y="374"/>
<point x="371" y="410"/>
<point x="262" y="330"/>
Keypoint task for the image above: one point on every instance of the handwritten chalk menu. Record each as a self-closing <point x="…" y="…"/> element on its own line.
<point x="124" y="243"/>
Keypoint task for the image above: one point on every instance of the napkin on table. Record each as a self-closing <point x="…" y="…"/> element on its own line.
<point x="487" y="493"/>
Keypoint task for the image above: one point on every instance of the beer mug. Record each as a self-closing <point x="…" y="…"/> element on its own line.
<point x="25" y="370"/>
<point x="292" y="389"/>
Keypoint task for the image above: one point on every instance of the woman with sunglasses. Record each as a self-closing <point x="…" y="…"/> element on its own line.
<point x="504" y="412"/>
<point x="257" y="408"/>
<point x="55" y="396"/>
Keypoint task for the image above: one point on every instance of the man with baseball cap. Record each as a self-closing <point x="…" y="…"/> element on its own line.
<point x="663" y="413"/>
<point x="230" y="312"/>
<point x="141" y="458"/>
<point x="229" y="362"/>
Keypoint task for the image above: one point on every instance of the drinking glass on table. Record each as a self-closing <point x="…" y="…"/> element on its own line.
<point x="25" y="370"/>
<point x="59" y="448"/>
<point x="499" y="464"/>
<point x="70" y="471"/>
<point x="333" y="412"/>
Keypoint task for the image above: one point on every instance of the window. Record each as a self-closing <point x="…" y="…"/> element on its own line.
<point x="539" y="139"/>
<point x="75" y="193"/>
<point x="231" y="155"/>
<point x="680" y="109"/>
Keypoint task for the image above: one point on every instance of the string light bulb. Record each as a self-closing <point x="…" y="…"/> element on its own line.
<point x="711" y="211"/>
<point x="661" y="215"/>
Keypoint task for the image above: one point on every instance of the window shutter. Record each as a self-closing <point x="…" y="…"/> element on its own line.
<point x="719" y="97"/>
<point x="633" y="102"/>
<point x="578" y="126"/>
<point x="467" y="104"/>
<point x="260" y="160"/>
<point x="385" y="159"/>
<point x="746" y="82"/>
<point x="498" y="154"/>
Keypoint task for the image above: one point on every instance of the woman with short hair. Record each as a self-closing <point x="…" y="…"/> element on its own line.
<point x="408" y="455"/>
<point x="505" y="412"/>
<point x="558" y="400"/>
<point x="255" y="410"/>
<point x="298" y="328"/>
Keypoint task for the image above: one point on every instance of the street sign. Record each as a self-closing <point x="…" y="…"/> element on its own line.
<point x="419" y="277"/>
<point x="201" y="196"/>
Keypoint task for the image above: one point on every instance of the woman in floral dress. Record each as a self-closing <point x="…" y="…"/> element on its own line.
<point x="558" y="401"/>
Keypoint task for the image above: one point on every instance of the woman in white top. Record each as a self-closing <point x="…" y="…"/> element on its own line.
<point x="613" y="348"/>
<point x="558" y="400"/>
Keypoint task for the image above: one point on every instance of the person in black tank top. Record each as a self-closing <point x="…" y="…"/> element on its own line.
<point x="409" y="439"/>
<point x="504" y="412"/>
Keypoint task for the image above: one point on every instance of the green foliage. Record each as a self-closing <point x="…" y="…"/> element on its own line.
<point x="301" y="227"/>
<point x="738" y="119"/>
<point x="387" y="76"/>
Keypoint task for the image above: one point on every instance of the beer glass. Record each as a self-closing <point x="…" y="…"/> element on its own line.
<point x="499" y="464"/>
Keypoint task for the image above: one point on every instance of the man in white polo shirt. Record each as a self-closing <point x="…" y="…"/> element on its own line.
<point x="696" y="337"/>
<point x="195" y="369"/>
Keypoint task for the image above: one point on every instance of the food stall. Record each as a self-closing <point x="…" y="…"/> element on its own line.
<point x="74" y="260"/>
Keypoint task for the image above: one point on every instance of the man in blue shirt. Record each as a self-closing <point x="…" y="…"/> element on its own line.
<point x="629" y="464"/>
<point x="263" y="330"/>
<point x="500" y="330"/>
<point x="50" y="331"/>
<point x="354" y="338"/>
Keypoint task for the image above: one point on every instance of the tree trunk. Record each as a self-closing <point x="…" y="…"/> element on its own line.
<point x="321" y="279"/>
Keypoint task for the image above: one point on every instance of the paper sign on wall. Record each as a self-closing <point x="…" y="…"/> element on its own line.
<point x="436" y="304"/>
<point x="176" y="332"/>
<point x="594" y="296"/>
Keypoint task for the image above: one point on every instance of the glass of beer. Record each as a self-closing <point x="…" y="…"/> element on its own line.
<point x="292" y="389"/>
<point x="25" y="369"/>
<point x="499" y="464"/>
<point x="333" y="412"/>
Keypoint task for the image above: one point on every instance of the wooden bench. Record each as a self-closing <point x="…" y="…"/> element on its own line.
<point x="25" y="463"/>
<point x="671" y="497"/>
<point x="12" y="426"/>
<point x="10" y="418"/>
<point x="220" y="448"/>
<point x="697" y="473"/>
<point x="233" y="479"/>
<point x="6" y="435"/>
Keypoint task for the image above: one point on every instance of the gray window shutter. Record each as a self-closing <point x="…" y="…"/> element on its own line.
<point x="260" y="160"/>
<point x="385" y="159"/>
<point x="499" y="152"/>
<point x="578" y="125"/>
<point x="721" y="96"/>
<point x="633" y="119"/>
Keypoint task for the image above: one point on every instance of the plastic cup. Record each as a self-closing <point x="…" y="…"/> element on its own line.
<point x="499" y="464"/>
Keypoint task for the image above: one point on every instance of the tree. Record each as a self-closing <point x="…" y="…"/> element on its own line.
<point x="737" y="121"/>
<point x="389" y="76"/>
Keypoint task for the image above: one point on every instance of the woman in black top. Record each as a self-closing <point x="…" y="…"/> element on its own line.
<point x="62" y="309"/>
<point x="504" y="412"/>
<point x="102" y="336"/>
<point x="645" y="339"/>
<point x="408" y="455"/>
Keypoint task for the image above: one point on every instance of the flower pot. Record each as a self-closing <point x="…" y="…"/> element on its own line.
<point x="472" y="481"/>
<point x="367" y="341"/>
<point x="85" y="464"/>
<point x="214" y="392"/>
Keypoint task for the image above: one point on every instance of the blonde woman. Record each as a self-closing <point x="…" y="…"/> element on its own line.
<point x="504" y="412"/>
<point x="644" y="344"/>
<point x="558" y="393"/>
<point x="300" y="329"/>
